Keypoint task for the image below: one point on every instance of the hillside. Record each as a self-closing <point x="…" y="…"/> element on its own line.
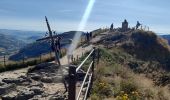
<point x="9" y="44"/>
<point x="25" y="36"/>
<point x="167" y="37"/>
<point x="134" y="65"/>
<point x="37" y="48"/>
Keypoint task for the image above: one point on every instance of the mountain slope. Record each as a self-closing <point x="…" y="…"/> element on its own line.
<point x="9" y="44"/>
<point x="37" y="48"/>
<point x="22" y="35"/>
<point x="144" y="45"/>
<point x="134" y="65"/>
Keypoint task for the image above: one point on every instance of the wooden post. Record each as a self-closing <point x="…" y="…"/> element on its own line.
<point x="72" y="83"/>
<point x="93" y="58"/>
<point x="40" y="58"/>
<point x="98" y="55"/>
<point x="4" y="61"/>
<point x="72" y="58"/>
<point x="23" y="59"/>
<point x="82" y="54"/>
<point x="50" y="54"/>
<point x="92" y="79"/>
<point x="77" y="57"/>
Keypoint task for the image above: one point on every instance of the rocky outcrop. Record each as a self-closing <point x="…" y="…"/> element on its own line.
<point x="34" y="85"/>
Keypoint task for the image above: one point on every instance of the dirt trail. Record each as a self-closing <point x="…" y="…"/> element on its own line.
<point x="49" y="78"/>
<point x="64" y="61"/>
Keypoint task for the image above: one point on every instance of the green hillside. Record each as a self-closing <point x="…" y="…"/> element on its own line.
<point x="133" y="66"/>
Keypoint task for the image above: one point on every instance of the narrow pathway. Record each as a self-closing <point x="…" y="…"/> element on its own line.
<point x="64" y="61"/>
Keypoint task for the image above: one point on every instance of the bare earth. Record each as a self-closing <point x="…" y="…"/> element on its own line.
<point x="64" y="61"/>
<point x="56" y="74"/>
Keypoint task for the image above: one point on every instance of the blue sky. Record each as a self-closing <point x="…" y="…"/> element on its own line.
<point x="65" y="15"/>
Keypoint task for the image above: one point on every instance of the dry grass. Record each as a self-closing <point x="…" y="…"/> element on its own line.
<point x="115" y="81"/>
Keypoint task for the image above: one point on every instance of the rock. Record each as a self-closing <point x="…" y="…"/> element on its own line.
<point x="47" y="80"/>
<point x="17" y="80"/>
<point x="6" y="87"/>
<point x="8" y="97"/>
<point x="1" y="83"/>
<point x="36" y="90"/>
<point x="40" y="66"/>
<point x="57" y="79"/>
<point x="37" y="85"/>
<point x="58" y="96"/>
<point x="35" y="76"/>
<point x="11" y="80"/>
<point x="25" y="95"/>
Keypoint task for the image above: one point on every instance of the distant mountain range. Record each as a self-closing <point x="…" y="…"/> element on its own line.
<point x="167" y="37"/>
<point x="37" y="48"/>
<point x="9" y="44"/>
<point x="25" y="36"/>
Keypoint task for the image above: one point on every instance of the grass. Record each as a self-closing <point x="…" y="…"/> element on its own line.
<point x="115" y="80"/>
<point x="11" y="65"/>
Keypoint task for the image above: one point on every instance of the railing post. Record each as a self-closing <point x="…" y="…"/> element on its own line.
<point x="40" y="57"/>
<point x="72" y="58"/>
<point x="93" y="58"/>
<point x="77" y="57"/>
<point x="98" y="55"/>
<point x="4" y="61"/>
<point x="72" y="83"/>
<point x="23" y="59"/>
<point x="50" y="55"/>
<point x="92" y="79"/>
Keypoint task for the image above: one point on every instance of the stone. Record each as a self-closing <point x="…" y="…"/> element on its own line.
<point x="58" y="96"/>
<point x="36" y="90"/>
<point x="6" y="87"/>
<point x="1" y="83"/>
<point x="36" y="85"/>
<point x="25" y="95"/>
<point x="57" y="79"/>
<point x="8" y="97"/>
<point x="35" y="76"/>
<point x="47" y="80"/>
<point x="11" y="80"/>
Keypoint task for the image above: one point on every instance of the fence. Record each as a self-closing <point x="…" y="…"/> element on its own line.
<point x="88" y="78"/>
<point x="3" y="60"/>
<point x="6" y="64"/>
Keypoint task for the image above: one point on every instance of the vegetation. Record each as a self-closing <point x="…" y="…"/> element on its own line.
<point x="115" y="80"/>
<point x="9" y="44"/>
<point x="37" y="48"/>
<point x="29" y="62"/>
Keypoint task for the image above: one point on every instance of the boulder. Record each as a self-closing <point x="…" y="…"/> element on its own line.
<point x="58" y="96"/>
<point x="37" y="90"/>
<point x="35" y="76"/>
<point x="11" y="80"/>
<point x="25" y="95"/>
<point x="6" y="87"/>
<point x="47" y="79"/>
<point x="8" y="97"/>
<point x="1" y="83"/>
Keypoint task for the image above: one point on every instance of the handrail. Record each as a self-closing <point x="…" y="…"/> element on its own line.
<point x="90" y="77"/>
<point x="79" y="93"/>
<point x="84" y="61"/>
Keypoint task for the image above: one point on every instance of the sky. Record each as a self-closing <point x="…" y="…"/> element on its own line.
<point x="65" y="15"/>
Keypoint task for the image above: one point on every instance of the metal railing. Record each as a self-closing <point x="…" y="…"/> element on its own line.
<point x="88" y="78"/>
